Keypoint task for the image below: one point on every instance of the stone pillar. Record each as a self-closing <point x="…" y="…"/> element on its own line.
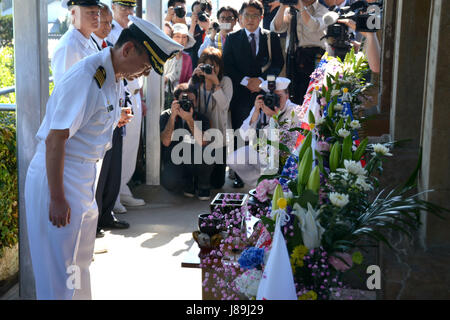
<point x="32" y="92"/>
<point x="154" y="102"/>
<point x="435" y="174"/>
<point x="409" y="69"/>
<point x="419" y="267"/>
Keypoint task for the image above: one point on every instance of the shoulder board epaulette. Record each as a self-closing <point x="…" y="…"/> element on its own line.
<point x="100" y="76"/>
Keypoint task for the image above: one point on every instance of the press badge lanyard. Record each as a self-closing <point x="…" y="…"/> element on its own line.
<point x="206" y="100"/>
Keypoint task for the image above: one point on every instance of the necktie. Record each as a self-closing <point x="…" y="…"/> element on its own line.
<point x="253" y="44"/>
<point x="104" y="44"/>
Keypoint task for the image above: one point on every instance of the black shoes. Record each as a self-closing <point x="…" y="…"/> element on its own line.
<point x="204" y="194"/>
<point x="116" y="224"/>
<point x="100" y="233"/>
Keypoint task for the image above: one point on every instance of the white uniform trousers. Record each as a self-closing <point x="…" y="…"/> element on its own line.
<point x="250" y="165"/>
<point x="246" y="163"/>
<point x="131" y="146"/>
<point x="61" y="256"/>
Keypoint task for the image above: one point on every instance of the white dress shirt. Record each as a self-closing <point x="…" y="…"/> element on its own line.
<point x="309" y="34"/>
<point x="71" y="48"/>
<point x="286" y="115"/>
<point x="115" y="32"/>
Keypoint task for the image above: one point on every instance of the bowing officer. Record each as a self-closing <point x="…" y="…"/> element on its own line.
<point x="76" y="43"/>
<point x="75" y="134"/>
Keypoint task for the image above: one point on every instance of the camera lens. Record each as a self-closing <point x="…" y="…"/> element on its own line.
<point x="180" y="12"/>
<point x="203" y="17"/>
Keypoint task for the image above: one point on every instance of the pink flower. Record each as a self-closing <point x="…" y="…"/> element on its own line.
<point x="339" y="265"/>
<point x="323" y="146"/>
<point x="323" y="102"/>
<point x="266" y="188"/>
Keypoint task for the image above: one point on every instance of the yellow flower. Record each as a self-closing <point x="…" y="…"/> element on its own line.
<point x="310" y="295"/>
<point x="297" y="256"/>
<point x="282" y="203"/>
<point x="345" y="90"/>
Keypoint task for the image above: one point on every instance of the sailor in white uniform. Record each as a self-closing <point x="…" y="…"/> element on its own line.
<point x="246" y="161"/>
<point x="76" y="43"/>
<point x="121" y="10"/>
<point x="75" y="133"/>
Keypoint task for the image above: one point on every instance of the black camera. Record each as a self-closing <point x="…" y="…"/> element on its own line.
<point x="338" y="35"/>
<point x="185" y="103"/>
<point x="202" y="15"/>
<point x="271" y="99"/>
<point x="207" y="68"/>
<point x="216" y="27"/>
<point x="289" y="2"/>
<point x="180" y="12"/>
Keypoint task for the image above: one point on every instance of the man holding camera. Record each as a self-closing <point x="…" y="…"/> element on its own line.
<point x="200" y="22"/>
<point x="246" y="161"/>
<point x="304" y="46"/>
<point x="176" y="13"/>
<point x="178" y="160"/>
<point x="227" y="17"/>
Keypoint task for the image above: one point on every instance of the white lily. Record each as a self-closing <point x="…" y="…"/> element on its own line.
<point x="380" y="149"/>
<point x="362" y="183"/>
<point x="353" y="167"/>
<point x="309" y="225"/>
<point x="343" y="133"/>
<point x="355" y="125"/>
<point x="338" y="199"/>
<point x="339" y="107"/>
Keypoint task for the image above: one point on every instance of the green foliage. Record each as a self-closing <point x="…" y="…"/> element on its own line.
<point x="6" y="30"/>
<point x="7" y="73"/>
<point x="8" y="181"/>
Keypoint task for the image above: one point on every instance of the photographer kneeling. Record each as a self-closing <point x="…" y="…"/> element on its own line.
<point x="179" y="170"/>
<point x="245" y="161"/>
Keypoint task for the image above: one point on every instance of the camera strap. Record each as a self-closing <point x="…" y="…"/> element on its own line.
<point x="207" y="100"/>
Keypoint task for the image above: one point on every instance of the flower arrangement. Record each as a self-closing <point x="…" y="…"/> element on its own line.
<point x="326" y="205"/>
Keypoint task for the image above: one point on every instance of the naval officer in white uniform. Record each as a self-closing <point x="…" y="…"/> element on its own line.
<point x="76" y="131"/>
<point x="76" y="43"/>
<point x="246" y="161"/>
<point x="121" y="10"/>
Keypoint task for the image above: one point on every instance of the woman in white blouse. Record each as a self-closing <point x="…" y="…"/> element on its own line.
<point x="215" y="93"/>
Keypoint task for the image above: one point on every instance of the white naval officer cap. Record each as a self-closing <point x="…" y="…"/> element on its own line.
<point x="282" y="84"/>
<point x="82" y="3"/>
<point x="159" y="46"/>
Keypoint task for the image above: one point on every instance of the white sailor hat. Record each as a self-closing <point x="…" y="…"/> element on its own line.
<point x="282" y="84"/>
<point x="83" y="3"/>
<point x="159" y="46"/>
<point x="183" y="29"/>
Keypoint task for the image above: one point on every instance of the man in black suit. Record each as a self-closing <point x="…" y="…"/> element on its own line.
<point x="248" y="61"/>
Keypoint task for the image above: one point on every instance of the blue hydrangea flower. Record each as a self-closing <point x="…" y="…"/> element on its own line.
<point x="251" y="258"/>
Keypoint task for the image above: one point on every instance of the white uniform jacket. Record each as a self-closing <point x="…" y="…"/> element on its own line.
<point x="85" y="102"/>
<point x="71" y="48"/>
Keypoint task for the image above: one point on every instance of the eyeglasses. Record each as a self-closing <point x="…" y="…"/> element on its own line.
<point x="251" y="16"/>
<point x="227" y="19"/>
